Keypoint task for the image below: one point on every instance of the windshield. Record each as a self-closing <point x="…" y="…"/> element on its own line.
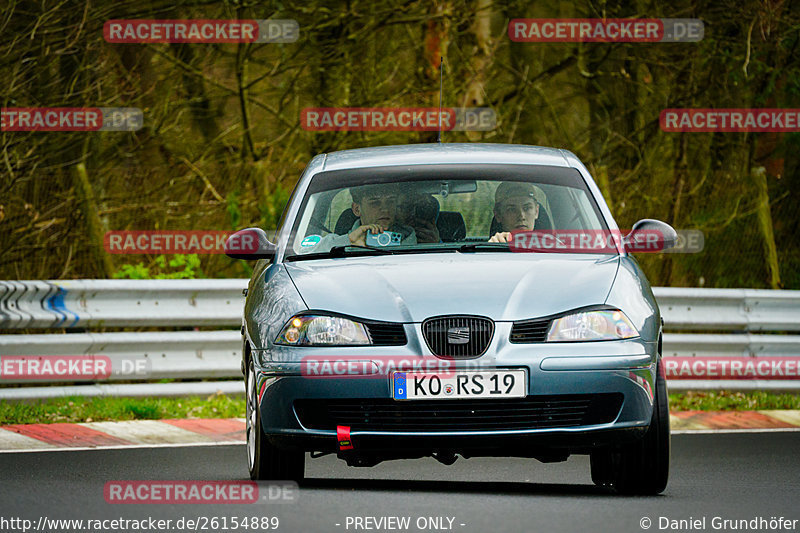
<point x="433" y="207"/>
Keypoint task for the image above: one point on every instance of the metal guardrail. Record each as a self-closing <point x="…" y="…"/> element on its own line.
<point x="217" y="302"/>
<point x="130" y="390"/>
<point x="137" y="356"/>
<point x="747" y="310"/>
<point x="87" y="304"/>
<point x="730" y="345"/>
<point x="96" y="303"/>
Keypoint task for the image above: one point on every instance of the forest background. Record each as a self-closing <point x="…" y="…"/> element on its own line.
<point x="222" y="145"/>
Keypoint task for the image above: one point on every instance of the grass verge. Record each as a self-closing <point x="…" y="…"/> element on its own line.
<point x="732" y="401"/>
<point x="77" y="409"/>
<point x="96" y="409"/>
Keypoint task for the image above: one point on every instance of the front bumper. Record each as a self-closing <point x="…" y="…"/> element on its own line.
<point x="625" y="369"/>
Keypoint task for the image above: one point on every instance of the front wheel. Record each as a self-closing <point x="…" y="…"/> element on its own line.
<point x="643" y="467"/>
<point x="265" y="461"/>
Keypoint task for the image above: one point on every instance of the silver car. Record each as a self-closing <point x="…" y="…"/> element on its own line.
<point x="453" y="300"/>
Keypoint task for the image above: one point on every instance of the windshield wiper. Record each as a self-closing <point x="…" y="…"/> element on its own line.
<point x="338" y="251"/>
<point x="485" y="247"/>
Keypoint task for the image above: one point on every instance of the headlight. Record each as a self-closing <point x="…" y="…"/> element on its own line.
<point x="320" y="330"/>
<point x="602" y="325"/>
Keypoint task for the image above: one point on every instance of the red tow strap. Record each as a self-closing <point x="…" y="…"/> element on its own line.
<point x="343" y="436"/>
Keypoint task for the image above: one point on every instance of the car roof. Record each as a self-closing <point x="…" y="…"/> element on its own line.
<point x="447" y="153"/>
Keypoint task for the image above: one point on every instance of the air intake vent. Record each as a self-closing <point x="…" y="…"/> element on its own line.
<point x="532" y="412"/>
<point x="458" y="336"/>
<point x="530" y="331"/>
<point x="386" y="333"/>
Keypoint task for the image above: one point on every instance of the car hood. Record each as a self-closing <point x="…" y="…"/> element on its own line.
<point x="411" y="288"/>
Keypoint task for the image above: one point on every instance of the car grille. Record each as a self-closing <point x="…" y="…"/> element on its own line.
<point x="386" y="333"/>
<point x="458" y="336"/>
<point x="531" y="412"/>
<point x="530" y="331"/>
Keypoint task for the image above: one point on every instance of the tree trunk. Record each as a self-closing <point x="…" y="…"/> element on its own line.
<point x="759" y="175"/>
<point x="94" y="227"/>
<point x="481" y="60"/>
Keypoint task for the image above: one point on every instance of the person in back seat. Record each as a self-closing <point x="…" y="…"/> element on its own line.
<point x="420" y="211"/>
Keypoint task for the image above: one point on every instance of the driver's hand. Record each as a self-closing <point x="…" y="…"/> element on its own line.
<point x="504" y="236"/>
<point x="426" y="231"/>
<point x="358" y="236"/>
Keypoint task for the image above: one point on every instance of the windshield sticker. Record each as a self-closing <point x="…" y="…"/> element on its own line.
<point x="311" y="240"/>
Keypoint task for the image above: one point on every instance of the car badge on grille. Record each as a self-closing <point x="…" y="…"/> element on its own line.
<point x="459" y="335"/>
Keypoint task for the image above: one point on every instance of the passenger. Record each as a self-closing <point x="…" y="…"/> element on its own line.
<point x="376" y="209"/>
<point x="515" y="208"/>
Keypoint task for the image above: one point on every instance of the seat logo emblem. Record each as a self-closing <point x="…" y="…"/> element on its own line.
<point x="459" y="335"/>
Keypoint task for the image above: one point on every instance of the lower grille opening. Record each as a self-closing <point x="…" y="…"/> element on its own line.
<point x="531" y="412"/>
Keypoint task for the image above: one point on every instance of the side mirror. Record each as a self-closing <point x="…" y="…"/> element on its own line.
<point x="650" y="235"/>
<point x="250" y="243"/>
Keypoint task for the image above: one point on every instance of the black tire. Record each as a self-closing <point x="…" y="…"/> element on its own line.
<point x="643" y="467"/>
<point x="265" y="461"/>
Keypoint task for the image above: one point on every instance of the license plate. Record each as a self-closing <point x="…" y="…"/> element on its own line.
<point x="455" y="385"/>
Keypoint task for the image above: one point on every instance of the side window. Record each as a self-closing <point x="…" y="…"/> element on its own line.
<point x="561" y="209"/>
<point x="570" y="208"/>
<point x="592" y="222"/>
<point x="285" y="212"/>
<point x="586" y="218"/>
<point x="308" y="225"/>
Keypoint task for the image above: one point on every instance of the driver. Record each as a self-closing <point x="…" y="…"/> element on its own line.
<point x="376" y="209"/>
<point x="515" y="208"/>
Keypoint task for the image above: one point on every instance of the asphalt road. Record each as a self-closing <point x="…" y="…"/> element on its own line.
<point x="732" y="476"/>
